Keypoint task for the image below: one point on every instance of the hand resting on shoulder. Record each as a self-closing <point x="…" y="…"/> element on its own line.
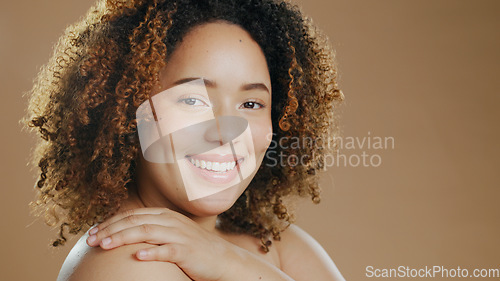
<point x="85" y="263"/>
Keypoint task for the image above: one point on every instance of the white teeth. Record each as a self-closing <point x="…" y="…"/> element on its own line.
<point x="213" y="166"/>
<point x="216" y="166"/>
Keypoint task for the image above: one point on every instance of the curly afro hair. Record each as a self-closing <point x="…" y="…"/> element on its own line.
<point x="84" y="100"/>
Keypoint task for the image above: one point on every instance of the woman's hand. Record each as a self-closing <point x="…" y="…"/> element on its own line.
<point x="202" y="255"/>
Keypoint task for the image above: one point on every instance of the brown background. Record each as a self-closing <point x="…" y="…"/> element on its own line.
<point x="422" y="72"/>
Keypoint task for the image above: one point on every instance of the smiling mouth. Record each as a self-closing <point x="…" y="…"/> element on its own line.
<point x="216" y="163"/>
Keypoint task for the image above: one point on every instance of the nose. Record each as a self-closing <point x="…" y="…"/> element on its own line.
<point x="224" y="129"/>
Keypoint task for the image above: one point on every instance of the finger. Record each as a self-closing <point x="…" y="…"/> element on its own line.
<point x="132" y="221"/>
<point x="127" y="213"/>
<point x="166" y="253"/>
<point x="145" y="233"/>
<point x="130" y="213"/>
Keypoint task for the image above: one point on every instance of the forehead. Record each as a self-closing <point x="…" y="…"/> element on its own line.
<point x="225" y="33"/>
<point x="216" y="51"/>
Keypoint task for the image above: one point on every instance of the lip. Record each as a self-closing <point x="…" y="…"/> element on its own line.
<point x="212" y="176"/>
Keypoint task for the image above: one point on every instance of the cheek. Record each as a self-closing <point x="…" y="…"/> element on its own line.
<point x="173" y="120"/>
<point x="261" y="135"/>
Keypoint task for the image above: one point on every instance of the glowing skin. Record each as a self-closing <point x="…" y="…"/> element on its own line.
<point x="234" y="70"/>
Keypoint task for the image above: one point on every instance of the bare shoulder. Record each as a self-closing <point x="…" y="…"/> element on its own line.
<point x="303" y="258"/>
<point x="86" y="263"/>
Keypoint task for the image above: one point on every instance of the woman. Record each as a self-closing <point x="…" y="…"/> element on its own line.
<point x="164" y="120"/>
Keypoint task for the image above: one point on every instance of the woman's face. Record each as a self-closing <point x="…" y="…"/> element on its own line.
<point x="209" y="122"/>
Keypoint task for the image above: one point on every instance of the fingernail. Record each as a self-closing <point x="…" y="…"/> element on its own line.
<point x="91" y="239"/>
<point x="106" y="241"/>
<point x="142" y="254"/>
<point x="93" y="231"/>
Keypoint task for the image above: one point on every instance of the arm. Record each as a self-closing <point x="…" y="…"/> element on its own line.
<point x="303" y="258"/>
<point x="120" y="264"/>
<point x="94" y="264"/>
<point x="178" y="241"/>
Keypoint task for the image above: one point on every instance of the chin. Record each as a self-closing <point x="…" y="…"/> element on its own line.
<point x="214" y="204"/>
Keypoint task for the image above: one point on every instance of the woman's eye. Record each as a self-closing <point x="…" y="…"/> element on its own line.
<point x="252" y="105"/>
<point x="192" y="102"/>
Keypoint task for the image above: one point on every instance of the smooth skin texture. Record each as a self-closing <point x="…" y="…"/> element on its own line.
<point x="180" y="235"/>
<point x="215" y="53"/>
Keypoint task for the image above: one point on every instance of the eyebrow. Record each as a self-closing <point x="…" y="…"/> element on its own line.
<point x="212" y="84"/>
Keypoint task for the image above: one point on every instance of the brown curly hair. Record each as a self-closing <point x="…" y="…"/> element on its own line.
<point x="84" y="101"/>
